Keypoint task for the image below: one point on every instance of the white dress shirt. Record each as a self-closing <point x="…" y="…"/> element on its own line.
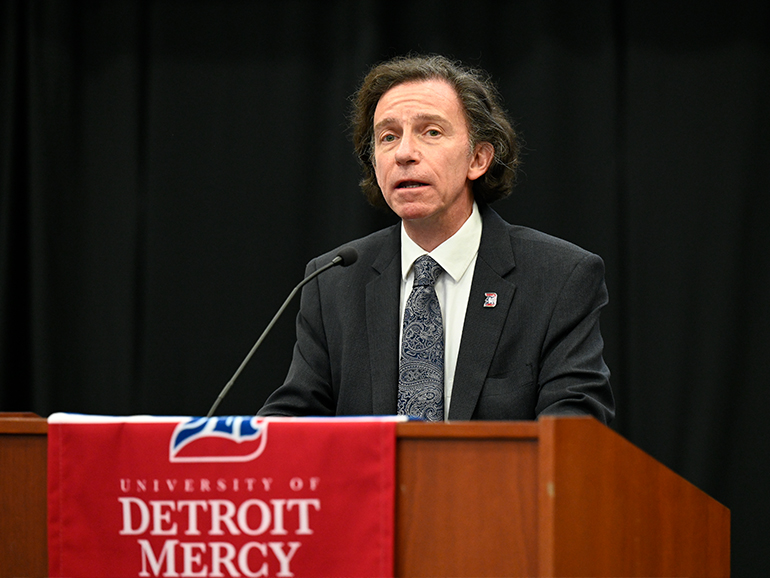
<point x="457" y="256"/>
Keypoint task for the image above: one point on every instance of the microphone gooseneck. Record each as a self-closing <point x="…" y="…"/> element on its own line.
<point x="345" y="257"/>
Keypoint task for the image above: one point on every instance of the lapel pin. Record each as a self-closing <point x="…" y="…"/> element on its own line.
<point x="490" y="299"/>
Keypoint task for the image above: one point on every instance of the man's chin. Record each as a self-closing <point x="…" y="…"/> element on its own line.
<point x="411" y="209"/>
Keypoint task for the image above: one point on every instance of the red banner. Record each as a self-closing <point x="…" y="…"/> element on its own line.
<point x="235" y="496"/>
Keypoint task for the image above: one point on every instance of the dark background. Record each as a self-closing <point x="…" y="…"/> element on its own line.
<point x="168" y="168"/>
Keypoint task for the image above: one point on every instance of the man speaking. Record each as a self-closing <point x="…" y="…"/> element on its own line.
<point x="453" y="314"/>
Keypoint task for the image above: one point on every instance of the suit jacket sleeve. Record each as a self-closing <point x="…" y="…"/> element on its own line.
<point x="307" y="388"/>
<point x="573" y="378"/>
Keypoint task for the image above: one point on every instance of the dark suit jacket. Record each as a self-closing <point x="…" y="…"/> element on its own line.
<point x="538" y="351"/>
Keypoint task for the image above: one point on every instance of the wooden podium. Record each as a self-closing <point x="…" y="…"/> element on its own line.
<point x="557" y="497"/>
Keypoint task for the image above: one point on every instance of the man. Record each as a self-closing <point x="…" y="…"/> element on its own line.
<point x="454" y="313"/>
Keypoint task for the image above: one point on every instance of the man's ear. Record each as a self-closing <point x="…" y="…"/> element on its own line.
<point x="481" y="160"/>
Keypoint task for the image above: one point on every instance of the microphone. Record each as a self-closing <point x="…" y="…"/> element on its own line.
<point x="345" y="256"/>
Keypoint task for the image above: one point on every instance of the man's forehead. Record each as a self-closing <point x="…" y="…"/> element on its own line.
<point x="435" y="96"/>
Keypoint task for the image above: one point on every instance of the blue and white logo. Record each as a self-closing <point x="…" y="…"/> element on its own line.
<point x="218" y="439"/>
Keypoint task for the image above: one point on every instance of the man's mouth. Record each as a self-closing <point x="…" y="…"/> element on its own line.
<point x="410" y="185"/>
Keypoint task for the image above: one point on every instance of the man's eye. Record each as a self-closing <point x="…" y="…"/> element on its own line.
<point x="434" y="132"/>
<point x="389" y="138"/>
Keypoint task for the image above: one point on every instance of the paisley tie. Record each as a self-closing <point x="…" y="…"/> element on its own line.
<point x="421" y="376"/>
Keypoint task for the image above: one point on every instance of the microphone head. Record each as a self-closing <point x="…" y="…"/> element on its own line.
<point x="348" y="256"/>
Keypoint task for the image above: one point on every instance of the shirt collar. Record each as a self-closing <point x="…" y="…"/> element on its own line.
<point x="454" y="255"/>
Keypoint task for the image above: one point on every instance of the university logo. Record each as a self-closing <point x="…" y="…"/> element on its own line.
<point x="218" y="439"/>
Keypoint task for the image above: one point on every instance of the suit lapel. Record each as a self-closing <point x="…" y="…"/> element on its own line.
<point x="382" y="318"/>
<point x="483" y="325"/>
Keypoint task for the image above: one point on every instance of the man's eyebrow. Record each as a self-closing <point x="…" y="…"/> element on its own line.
<point x="424" y="117"/>
<point x="384" y="122"/>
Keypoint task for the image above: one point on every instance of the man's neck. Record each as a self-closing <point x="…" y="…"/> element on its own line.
<point x="430" y="234"/>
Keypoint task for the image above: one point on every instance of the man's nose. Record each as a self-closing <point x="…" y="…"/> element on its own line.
<point x="407" y="150"/>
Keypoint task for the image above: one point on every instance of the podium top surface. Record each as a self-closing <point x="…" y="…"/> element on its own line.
<point x="469" y="429"/>
<point x="22" y="423"/>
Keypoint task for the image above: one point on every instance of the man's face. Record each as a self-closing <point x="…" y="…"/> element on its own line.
<point x="422" y="157"/>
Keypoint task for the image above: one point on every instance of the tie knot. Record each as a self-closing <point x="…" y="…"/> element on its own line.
<point x="426" y="271"/>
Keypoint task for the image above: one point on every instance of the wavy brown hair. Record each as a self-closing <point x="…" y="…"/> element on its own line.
<point x="481" y="102"/>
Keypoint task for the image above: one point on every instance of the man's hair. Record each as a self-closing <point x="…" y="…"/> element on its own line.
<point x="487" y="121"/>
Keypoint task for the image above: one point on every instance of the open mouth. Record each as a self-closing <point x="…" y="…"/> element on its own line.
<point x="410" y="184"/>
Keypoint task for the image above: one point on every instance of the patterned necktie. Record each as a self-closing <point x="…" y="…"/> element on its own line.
<point x="421" y="377"/>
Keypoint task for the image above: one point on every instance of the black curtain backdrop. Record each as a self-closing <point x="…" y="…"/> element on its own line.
<point x="168" y="168"/>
